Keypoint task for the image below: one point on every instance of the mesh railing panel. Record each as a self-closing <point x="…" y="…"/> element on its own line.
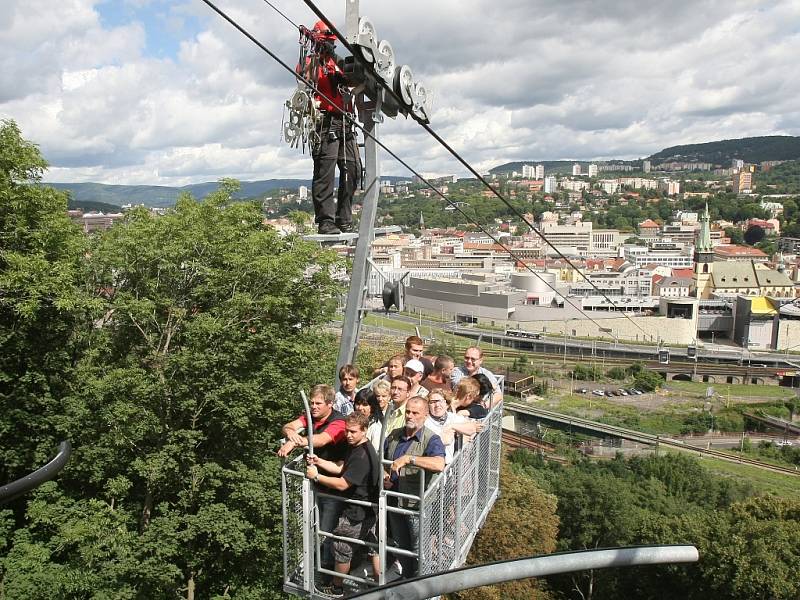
<point x="293" y="525"/>
<point x="459" y="500"/>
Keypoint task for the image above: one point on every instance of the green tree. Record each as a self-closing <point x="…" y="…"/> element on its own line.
<point x="648" y="381"/>
<point x="204" y="327"/>
<point x="617" y="373"/>
<point x="754" y="234"/>
<point x="41" y="305"/>
<point x="501" y="538"/>
<point x="735" y="234"/>
<point x="300" y="219"/>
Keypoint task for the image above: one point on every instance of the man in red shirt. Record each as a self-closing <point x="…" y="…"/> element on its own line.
<point x="337" y="140"/>
<point x="330" y="444"/>
<point x="328" y="437"/>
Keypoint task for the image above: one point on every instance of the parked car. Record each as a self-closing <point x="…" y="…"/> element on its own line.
<point x="783" y="443"/>
<point x="635" y="391"/>
<point x="622" y="392"/>
<point x="582" y="391"/>
<point x="598" y="392"/>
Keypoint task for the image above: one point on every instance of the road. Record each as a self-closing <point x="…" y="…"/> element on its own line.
<point x="706" y="352"/>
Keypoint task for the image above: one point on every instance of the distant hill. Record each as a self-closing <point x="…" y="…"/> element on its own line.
<point x="752" y="150"/>
<point x="162" y="196"/>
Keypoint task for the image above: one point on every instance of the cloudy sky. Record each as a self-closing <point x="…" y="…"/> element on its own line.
<point x="166" y="92"/>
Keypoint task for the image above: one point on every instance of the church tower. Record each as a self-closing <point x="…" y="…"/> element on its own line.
<point x="704" y="259"/>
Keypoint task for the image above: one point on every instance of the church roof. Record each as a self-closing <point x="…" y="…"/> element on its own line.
<point x="734" y="275"/>
<point x="772" y="278"/>
<point x="745" y="275"/>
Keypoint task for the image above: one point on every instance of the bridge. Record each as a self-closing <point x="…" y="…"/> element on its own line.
<point x="775" y="423"/>
<point x="514" y="413"/>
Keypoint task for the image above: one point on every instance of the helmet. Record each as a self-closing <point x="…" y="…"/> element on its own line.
<point x="322" y="32"/>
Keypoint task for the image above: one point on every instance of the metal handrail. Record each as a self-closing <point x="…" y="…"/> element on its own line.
<point x="436" y="584"/>
<point x="22" y="486"/>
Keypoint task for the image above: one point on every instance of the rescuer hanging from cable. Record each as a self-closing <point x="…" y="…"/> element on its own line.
<point x="336" y="144"/>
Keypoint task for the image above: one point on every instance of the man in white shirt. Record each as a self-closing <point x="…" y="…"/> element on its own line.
<point x="447" y="424"/>
<point x="473" y="361"/>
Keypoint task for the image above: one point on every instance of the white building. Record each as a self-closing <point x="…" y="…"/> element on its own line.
<point x="666" y="255"/>
<point x="529" y="172"/>
<point x="550" y="184"/>
<point x="539" y="171"/>
<point x="672" y="188"/>
<point x="576" y="169"/>
<point x="575" y="185"/>
<point x="604" y="242"/>
<point x="674" y="287"/>
<point x="577" y="236"/>
<point x="548" y="217"/>
<point x="638" y="183"/>
<point x="593" y="170"/>
<point x="646" y="166"/>
<point x="609" y="186"/>
<point x="302" y="193"/>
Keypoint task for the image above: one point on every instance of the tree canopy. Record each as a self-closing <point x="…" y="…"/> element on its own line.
<point x="169" y="350"/>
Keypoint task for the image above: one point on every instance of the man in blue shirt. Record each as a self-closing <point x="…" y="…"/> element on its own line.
<point x="412" y="449"/>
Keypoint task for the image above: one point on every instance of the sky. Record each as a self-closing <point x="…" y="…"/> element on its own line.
<point x="166" y="92"/>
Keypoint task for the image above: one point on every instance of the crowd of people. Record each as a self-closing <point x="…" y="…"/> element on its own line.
<point x="415" y="414"/>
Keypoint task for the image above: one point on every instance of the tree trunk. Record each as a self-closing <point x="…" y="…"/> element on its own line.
<point x="190" y="587"/>
<point x="147" y="508"/>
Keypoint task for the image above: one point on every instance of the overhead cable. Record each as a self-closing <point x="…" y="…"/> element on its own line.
<point x="458" y="157"/>
<point x="349" y="117"/>
<point x="277" y="10"/>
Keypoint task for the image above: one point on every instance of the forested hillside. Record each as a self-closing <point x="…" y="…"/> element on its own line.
<point x="747" y="541"/>
<point x="752" y="150"/>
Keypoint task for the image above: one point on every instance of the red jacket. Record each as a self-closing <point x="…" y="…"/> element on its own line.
<point x="328" y="75"/>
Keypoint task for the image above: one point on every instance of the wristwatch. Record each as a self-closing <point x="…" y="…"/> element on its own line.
<point x="413" y="460"/>
<point x="316" y="478"/>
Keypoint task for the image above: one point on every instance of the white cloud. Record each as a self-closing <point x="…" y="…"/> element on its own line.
<point x="512" y="80"/>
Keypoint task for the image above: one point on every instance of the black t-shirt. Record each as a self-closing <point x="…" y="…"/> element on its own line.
<point x="476" y="410"/>
<point x="362" y="471"/>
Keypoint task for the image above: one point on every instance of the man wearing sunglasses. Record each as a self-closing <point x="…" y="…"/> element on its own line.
<point x="473" y="361"/>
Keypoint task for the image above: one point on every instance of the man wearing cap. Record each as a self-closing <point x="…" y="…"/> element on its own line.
<point x="415" y="371"/>
<point x="337" y="140"/>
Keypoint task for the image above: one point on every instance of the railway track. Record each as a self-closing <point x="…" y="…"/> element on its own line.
<point x="512" y="439"/>
<point x="558" y="359"/>
<point x="737" y="459"/>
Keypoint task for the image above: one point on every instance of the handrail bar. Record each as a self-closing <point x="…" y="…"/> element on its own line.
<point x="21" y="486"/>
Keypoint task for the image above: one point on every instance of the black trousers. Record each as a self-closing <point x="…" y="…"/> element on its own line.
<point x="338" y="147"/>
